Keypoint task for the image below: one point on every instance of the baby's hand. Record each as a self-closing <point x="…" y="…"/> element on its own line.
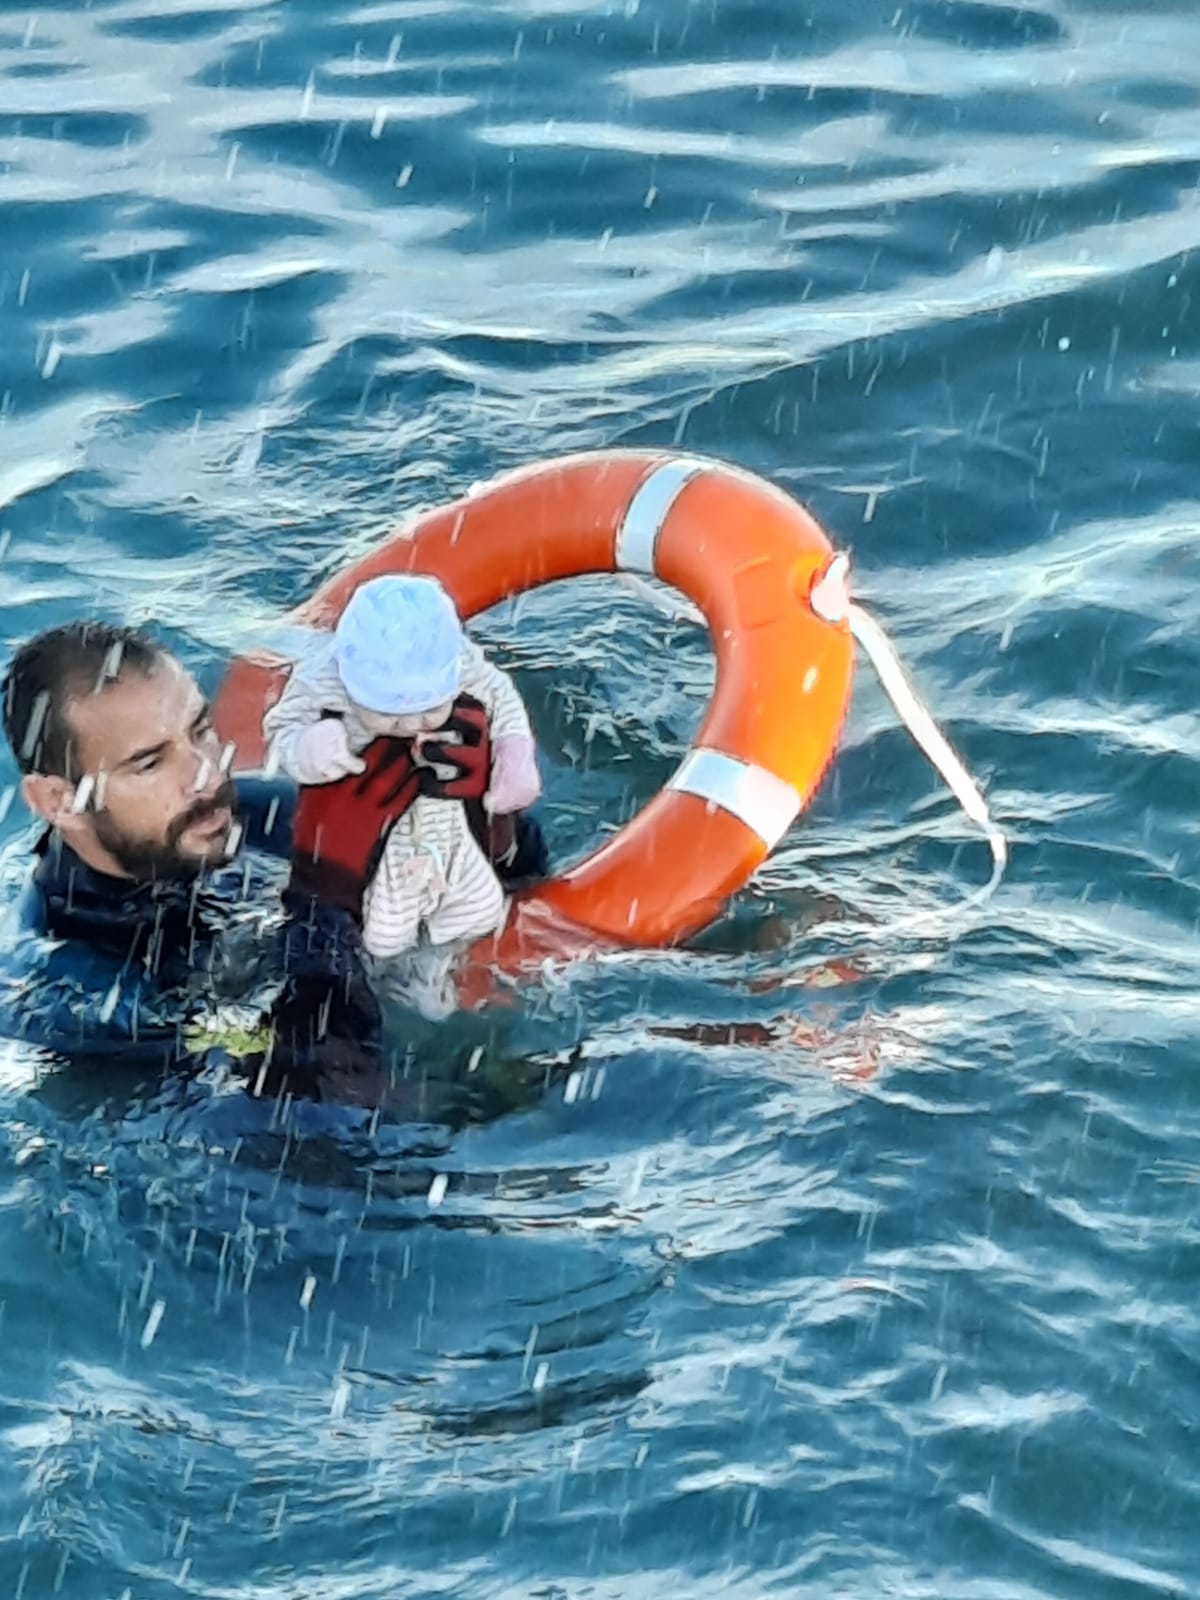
<point x="516" y="782"/>
<point x="322" y="754"/>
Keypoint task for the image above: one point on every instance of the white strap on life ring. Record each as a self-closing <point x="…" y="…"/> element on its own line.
<point x="931" y="740"/>
<point x="637" y="537"/>
<point x="763" y="802"/>
<point x="766" y="804"/>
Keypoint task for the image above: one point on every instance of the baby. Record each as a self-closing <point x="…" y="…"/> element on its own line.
<point x="398" y="663"/>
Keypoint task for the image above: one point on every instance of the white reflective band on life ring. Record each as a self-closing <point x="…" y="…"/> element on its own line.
<point x="766" y="804"/>
<point x="642" y="523"/>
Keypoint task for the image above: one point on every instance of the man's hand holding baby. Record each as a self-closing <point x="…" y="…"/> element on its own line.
<point x="456" y="758"/>
<point x="469" y="765"/>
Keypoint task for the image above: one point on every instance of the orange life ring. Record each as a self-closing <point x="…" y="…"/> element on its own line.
<point x="748" y="556"/>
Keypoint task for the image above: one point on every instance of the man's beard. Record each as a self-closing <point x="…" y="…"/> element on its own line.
<point x="162" y="858"/>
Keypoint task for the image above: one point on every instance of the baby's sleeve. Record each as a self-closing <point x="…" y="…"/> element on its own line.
<point x="311" y="689"/>
<point x="498" y="693"/>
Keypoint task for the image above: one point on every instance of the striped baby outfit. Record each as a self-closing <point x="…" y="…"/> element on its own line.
<point x="433" y="878"/>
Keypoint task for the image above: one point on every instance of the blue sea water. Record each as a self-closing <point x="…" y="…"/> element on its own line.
<point x="698" y="1277"/>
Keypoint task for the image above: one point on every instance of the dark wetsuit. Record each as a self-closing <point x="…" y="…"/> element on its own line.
<point x="97" y="966"/>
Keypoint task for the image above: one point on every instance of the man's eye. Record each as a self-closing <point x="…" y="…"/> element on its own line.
<point x="149" y="763"/>
<point x="203" y="729"/>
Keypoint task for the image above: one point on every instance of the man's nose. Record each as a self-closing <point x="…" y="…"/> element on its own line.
<point x="206" y="779"/>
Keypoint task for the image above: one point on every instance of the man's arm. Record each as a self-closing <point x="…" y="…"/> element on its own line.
<point x="325" y="1024"/>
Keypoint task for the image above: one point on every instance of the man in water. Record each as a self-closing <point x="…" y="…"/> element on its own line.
<point x="119" y="756"/>
<point x="135" y="885"/>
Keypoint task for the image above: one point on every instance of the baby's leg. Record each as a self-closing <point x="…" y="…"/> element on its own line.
<point x="400" y="896"/>
<point x="472" y="902"/>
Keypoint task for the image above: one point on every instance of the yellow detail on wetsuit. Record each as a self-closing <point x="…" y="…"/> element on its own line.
<point x="238" y="1032"/>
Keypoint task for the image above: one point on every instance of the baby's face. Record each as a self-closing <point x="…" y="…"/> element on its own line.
<point x="380" y="725"/>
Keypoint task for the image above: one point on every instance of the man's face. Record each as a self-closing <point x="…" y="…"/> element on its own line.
<point x="153" y="793"/>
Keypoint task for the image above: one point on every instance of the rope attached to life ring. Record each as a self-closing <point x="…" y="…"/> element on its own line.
<point x="830" y="600"/>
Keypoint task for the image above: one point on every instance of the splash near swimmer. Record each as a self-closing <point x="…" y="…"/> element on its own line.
<point x="773" y="593"/>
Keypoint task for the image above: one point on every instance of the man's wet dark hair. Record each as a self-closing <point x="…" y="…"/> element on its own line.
<point x="56" y="667"/>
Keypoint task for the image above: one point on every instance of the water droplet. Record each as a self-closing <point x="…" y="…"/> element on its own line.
<point x="109" y="1004"/>
<point x="153" y="1323"/>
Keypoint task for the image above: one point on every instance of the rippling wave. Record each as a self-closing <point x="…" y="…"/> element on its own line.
<point x="796" y="1263"/>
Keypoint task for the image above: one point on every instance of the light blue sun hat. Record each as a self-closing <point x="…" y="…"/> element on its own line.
<point x="399" y="646"/>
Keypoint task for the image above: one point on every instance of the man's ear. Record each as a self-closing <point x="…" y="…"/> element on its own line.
<point x="52" y="799"/>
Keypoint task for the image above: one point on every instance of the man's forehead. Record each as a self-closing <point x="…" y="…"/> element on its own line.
<point x="135" y="713"/>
